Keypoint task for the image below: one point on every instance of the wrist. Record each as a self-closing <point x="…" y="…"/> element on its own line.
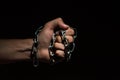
<point x="24" y="51"/>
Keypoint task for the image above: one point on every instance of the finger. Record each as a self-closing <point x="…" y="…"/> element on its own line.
<point x="59" y="46"/>
<point x="58" y="39"/>
<point x="60" y="53"/>
<point x="69" y="38"/>
<point x="70" y="32"/>
<point x="58" y="22"/>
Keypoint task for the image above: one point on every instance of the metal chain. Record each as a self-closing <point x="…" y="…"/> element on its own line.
<point x="69" y="47"/>
<point x="34" y="56"/>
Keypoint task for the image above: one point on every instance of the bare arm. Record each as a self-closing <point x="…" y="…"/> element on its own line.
<point x="12" y="50"/>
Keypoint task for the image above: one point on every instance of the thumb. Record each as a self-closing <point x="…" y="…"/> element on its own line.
<point x="56" y="23"/>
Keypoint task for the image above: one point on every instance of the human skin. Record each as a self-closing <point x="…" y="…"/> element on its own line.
<point x="13" y="50"/>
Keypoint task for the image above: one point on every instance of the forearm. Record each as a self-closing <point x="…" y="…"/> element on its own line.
<point x="12" y="50"/>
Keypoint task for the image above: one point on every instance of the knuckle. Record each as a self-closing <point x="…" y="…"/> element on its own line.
<point x="70" y="32"/>
<point x="60" y="53"/>
<point x="59" y="18"/>
<point x="58" y="38"/>
<point x="59" y="46"/>
<point x="70" y="39"/>
<point x="55" y="44"/>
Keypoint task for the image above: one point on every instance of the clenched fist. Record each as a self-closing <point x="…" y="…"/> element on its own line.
<point x="45" y="37"/>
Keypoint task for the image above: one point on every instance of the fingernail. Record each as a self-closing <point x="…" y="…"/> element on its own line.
<point x="66" y="25"/>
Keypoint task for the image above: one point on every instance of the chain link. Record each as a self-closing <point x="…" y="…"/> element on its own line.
<point x="69" y="47"/>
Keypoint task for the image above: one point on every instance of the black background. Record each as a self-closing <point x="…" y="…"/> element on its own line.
<point x="97" y="45"/>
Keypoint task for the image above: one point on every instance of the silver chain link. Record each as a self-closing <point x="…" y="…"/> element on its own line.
<point x="69" y="47"/>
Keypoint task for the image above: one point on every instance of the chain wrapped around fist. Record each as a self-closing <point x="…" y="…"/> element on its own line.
<point x="69" y="47"/>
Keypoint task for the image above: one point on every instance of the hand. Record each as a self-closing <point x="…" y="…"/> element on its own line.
<point x="45" y="36"/>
